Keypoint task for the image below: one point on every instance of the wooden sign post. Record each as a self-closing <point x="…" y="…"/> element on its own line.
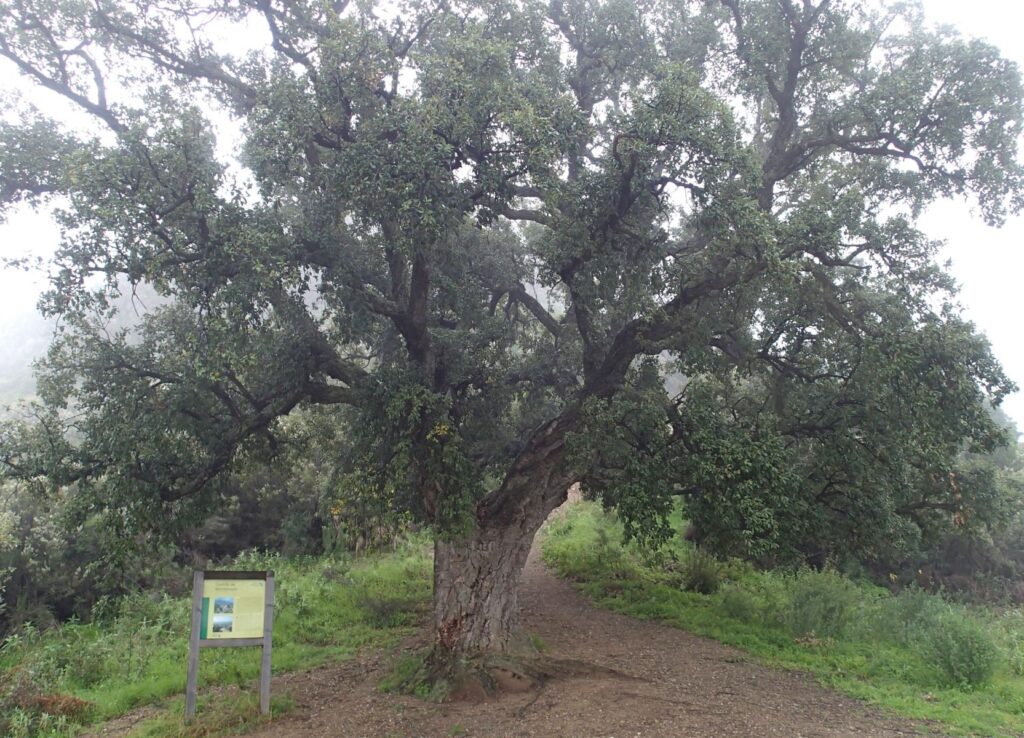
<point x="230" y="609"/>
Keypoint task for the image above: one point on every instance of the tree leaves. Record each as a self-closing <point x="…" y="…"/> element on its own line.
<point x="478" y="222"/>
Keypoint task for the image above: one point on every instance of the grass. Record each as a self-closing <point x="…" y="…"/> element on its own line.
<point x="410" y="674"/>
<point x="913" y="653"/>
<point x="229" y="713"/>
<point x="539" y="644"/>
<point x="55" y="681"/>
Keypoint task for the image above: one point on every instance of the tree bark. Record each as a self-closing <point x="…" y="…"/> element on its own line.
<point x="476" y="584"/>
<point x="476" y="577"/>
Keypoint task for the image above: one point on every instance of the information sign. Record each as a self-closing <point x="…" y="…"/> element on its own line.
<point x="232" y="608"/>
<point x="229" y="609"/>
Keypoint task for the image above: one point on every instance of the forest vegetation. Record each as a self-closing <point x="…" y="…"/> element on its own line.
<point x="468" y="254"/>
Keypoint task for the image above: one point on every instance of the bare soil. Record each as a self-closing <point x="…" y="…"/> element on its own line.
<point x="635" y="679"/>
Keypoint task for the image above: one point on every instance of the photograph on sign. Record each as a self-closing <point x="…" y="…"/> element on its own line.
<point x="232" y="608"/>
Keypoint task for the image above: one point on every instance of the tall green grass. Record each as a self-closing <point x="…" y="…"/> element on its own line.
<point x="915" y="653"/>
<point x="54" y="681"/>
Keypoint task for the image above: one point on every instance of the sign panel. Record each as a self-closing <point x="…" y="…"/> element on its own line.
<point x="232" y="608"/>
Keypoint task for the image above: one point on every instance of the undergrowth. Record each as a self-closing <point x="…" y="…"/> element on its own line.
<point x="913" y="652"/>
<point x="411" y="674"/>
<point x="55" y="681"/>
<point x="229" y="713"/>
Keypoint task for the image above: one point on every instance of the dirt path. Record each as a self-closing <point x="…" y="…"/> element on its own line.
<point x="656" y="682"/>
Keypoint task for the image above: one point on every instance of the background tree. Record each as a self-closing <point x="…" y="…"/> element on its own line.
<point x="469" y="223"/>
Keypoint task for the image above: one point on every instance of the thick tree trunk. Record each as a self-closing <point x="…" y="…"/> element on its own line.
<point x="476" y="585"/>
<point x="476" y="577"/>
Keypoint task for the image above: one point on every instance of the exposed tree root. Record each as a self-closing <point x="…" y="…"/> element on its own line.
<point x="487" y="677"/>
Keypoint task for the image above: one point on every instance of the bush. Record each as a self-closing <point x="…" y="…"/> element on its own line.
<point x="739" y="604"/>
<point x="1010" y="638"/>
<point x="822" y="603"/>
<point x="959" y="649"/>
<point x="27" y="711"/>
<point x="902" y="619"/>
<point x="1014" y="647"/>
<point x="700" y="572"/>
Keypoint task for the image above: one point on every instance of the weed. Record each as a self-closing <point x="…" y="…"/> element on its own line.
<point x="225" y="713"/>
<point x="901" y="619"/>
<point x="410" y="674"/>
<point x="1013" y="646"/>
<point x="538" y="643"/>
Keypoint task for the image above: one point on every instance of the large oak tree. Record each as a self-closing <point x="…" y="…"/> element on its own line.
<point x="485" y="229"/>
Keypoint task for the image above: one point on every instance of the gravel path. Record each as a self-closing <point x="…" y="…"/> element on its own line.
<point x="650" y="681"/>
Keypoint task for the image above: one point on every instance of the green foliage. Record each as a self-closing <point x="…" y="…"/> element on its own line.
<point x="408" y="408"/>
<point x="822" y="604"/>
<point x="739" y="603"/>
<point x="700" y="572"/>
<point x="485" y="230"/>
<point x="539" y="644"/>
<point x="747" y="503"/>
<point x="30" y="724"/>
<point x="230" y="713"/>
<point x="913" y="652"/>
<point x="972" y="554"/>
<point x="908" y="614"/>
<point x="961" y="649"/>
<point x="135" y="651"/>
<point x="773" y="488"/>
<point x="411" y="674"/>
<point x="624" y="442"/>
<point x="49" y="573"/>
<point x="1013" y="645"/>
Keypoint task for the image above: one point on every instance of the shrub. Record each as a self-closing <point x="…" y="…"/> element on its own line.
<point x="700" y="572"/>
<point x="820" y="603"/>
<point x="956" y="648"/>
<point x="26" y="711"/>
<point x="960" y="650"/>
<point x="739" y="604"/>
<point x="902" y="619"/>
<point x="1014" y="647"/>
<point x="1010" y="639"/>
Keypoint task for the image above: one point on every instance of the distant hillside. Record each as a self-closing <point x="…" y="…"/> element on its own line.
<point x="24" y="337"/>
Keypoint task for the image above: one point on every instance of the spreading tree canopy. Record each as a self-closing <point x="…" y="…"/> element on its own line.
<point x="487" y="232"/>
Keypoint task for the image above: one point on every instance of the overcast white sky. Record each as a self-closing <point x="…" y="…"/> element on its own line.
<point x="989" y="263"/>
